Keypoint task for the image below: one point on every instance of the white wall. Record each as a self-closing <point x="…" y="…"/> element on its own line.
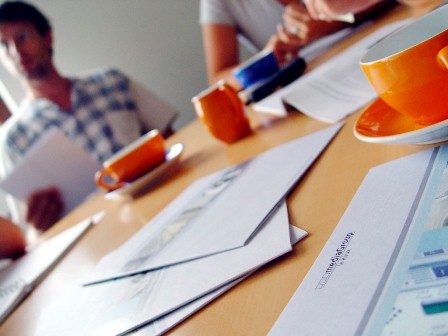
<point x="157" y="42"/>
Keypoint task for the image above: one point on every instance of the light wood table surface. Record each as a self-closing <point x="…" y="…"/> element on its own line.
<point x="316" y="204"/>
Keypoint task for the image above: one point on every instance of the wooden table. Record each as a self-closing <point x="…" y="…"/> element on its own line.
<point x="316" y="204"/>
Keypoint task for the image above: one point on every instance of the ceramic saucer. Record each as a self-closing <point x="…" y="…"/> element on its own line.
<point x="379" y="123"/>
<point x="172" y="157"/>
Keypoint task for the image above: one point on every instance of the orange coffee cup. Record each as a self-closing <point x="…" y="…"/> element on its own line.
<point x="221" y="110"/>
<point x="408" y="69"/>
<point x="132" y="161"/>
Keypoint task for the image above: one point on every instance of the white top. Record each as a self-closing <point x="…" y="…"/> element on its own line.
<point x="254" y="20"/>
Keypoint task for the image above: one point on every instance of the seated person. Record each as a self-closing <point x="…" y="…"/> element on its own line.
<point x="255" y="23"/>
<point x="283" y="26"/>
<point x="101" y="111"/>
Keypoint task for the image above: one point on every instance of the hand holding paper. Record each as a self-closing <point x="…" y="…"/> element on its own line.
<point x="53" y="161"/>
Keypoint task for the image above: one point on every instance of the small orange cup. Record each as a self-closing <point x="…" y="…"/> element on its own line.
<point x="221" y="110"/>
<point x="132" y="161"/>
<point x="409" y="68"/>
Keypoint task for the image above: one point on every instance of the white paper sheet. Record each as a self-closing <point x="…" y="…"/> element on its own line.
<point x="20" y="277"/>
<point x="114" y="307"/>
<point x="337" y="292"/>
<point x="219" y="212"/>
<point x="274" y="102"/>
<point x="54" y="161"/>
<point x="335" y="89"/>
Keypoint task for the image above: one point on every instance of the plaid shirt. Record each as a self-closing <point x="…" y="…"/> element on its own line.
<point x="103" y="118"/>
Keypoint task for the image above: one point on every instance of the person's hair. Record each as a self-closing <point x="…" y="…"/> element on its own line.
<point x="11" y="11"/>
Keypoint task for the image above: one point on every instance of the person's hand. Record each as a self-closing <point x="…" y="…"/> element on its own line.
<point x="12" y="242"/>
<point x="285" y="44"/>
<point x="45" y="207"/>
<point x="298" y="22"/>
<point x="326" y="9"/>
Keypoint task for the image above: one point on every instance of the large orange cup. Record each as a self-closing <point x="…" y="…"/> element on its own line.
<point x="132" y="161"/>
<point x="221" y="110"/>
<point x="408" y="69"/>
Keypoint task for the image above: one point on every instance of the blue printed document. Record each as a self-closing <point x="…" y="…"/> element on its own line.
<point x="415" y="298"/>
<point x="342" y="292"/>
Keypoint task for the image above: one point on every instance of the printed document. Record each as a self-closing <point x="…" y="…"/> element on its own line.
<point x="211" y="215"/>
<point x="333" y="90"/>
<point x="54" y="161"/>
<point x="342" y="287"/>
<point x="415" y="298"/>
<point x="274" y="102"/>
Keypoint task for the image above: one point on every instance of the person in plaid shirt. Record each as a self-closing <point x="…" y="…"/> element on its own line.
<point x="100" y="111"/>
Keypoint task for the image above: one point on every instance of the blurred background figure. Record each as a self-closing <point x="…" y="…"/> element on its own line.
<point x="280" y="25"/>
<point x="102" y="111"/>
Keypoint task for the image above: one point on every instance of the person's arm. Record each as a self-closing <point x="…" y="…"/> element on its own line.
<point x="326" y="9"/>
<point x="221" y="52"/>
<point x="12" y="242"/>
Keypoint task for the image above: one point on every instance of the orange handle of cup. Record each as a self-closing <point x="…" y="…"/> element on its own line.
<point x="107" y="186"/>
<point x="242" y="127"/>
<point x="442" y="57"/>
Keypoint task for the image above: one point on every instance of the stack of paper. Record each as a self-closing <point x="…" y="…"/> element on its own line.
<point x="218" y="231"/>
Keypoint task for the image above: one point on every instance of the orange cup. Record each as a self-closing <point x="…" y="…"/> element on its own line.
<point x="408" y="69"/>
<point x="132" y="161"/>
<point x="221" y="110"/>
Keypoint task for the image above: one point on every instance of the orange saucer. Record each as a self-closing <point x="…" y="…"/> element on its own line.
<point x="379" y="123"/>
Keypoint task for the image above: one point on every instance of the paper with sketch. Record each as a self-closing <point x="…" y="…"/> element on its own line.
<point x="48" y="322"/>
<point x="219" y="212"/>
<point x="333" y="90"/>
<point x="54" y="161"/>
<point x="21" y="276"/>
<point x="117" y="306"/>
<point x="59" y="317"/>
<point x="414" y="300"/>
<point x="342" y="285"/>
